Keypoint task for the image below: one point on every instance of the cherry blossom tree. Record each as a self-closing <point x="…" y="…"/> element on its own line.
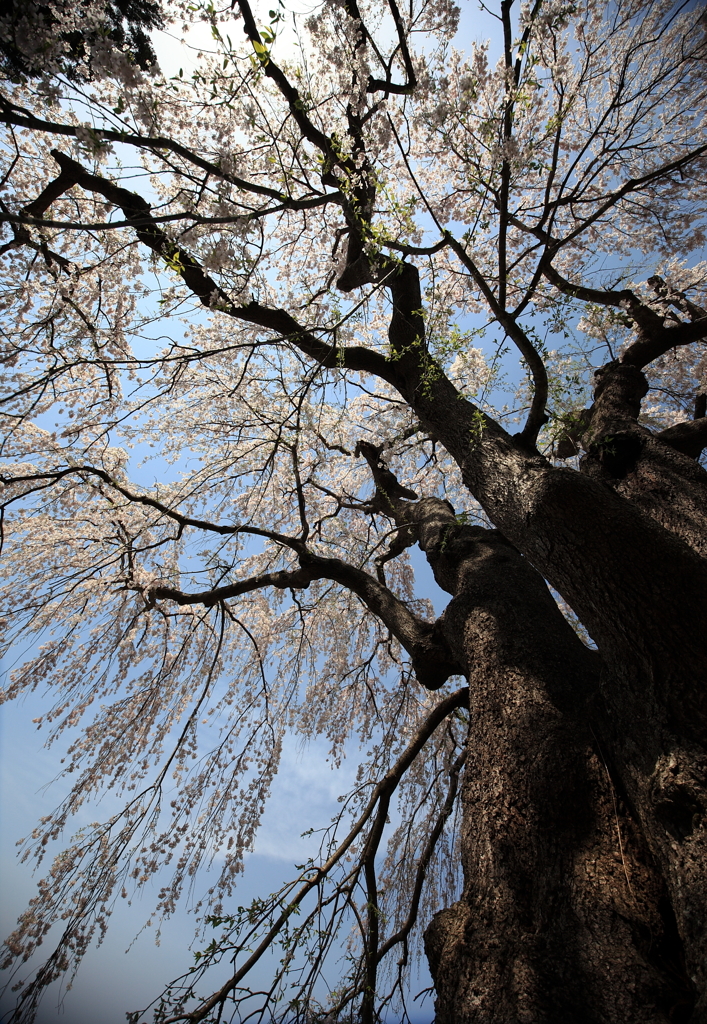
<point x="356" y="290"/>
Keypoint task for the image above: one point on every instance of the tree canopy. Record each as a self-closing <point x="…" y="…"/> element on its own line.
<point x="78" y="40"/>
<point x="357" y="283"/>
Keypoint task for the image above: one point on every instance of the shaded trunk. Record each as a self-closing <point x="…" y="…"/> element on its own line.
<point x="641" y="590"/>
<point x="655" y="474"/>
<point x="626" y="554"/>
<point x="564" y="915"/>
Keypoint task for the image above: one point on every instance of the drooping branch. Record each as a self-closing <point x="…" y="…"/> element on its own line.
<point x="48" y="477"/>
<point x="411" y="364"/>
<point x="382" y="791"/>
<point x="424" y="861"/>
<point x="432" y="659"/>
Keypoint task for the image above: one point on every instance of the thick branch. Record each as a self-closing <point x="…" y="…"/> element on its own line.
<point x="650" y="346"/>
<point x="622" y="299"/>
<point x="654" y="338"/>
<point x="138" y="213"/>
<point x="392" y="500"/>
<point x="431" y="658"/>
<point x="283" y="580"/>
<point x="690" y="437"/>
<point x="673" y="297"/>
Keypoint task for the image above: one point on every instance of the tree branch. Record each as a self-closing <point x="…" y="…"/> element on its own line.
<point x="294" y="100"/>
<point x="628" y="187"/>
<point x="11" y="114"/>
<point x="378" y="85"/>
<point x="424" y="861"/>
<point x="537" y="416"/>
<point x="139" y="215"/>
<point x="690" y="437"/>
<point x="431" y="658"/>
<point x="383" y="790"/>
<point x="655" y="339"/>
<point x="649" y="347"/>
<point x="625" y="299"/>
<point x="141" y="499"/>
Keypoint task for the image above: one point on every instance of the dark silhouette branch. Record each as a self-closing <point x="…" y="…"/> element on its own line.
<point x="537" y="416"/>
<point x="432" y="660"/>
<point x="11" y="114"/>
<point x="654" y="338"/>
<point x="690" y="437"/>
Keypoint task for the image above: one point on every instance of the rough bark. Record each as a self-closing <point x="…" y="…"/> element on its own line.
<point x="564" y="916"/>
<point x="580" y="778"/>
<point x="641" y="591"/>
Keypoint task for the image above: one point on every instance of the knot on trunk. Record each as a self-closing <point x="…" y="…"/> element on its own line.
<point x="679" y="792"/>
<point x="614" y="454"/>
<point x="614" y="439"/>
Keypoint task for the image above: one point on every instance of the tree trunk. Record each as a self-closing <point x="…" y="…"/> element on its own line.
<point x="564" y="916"/>
<point x="641" y="590"/>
